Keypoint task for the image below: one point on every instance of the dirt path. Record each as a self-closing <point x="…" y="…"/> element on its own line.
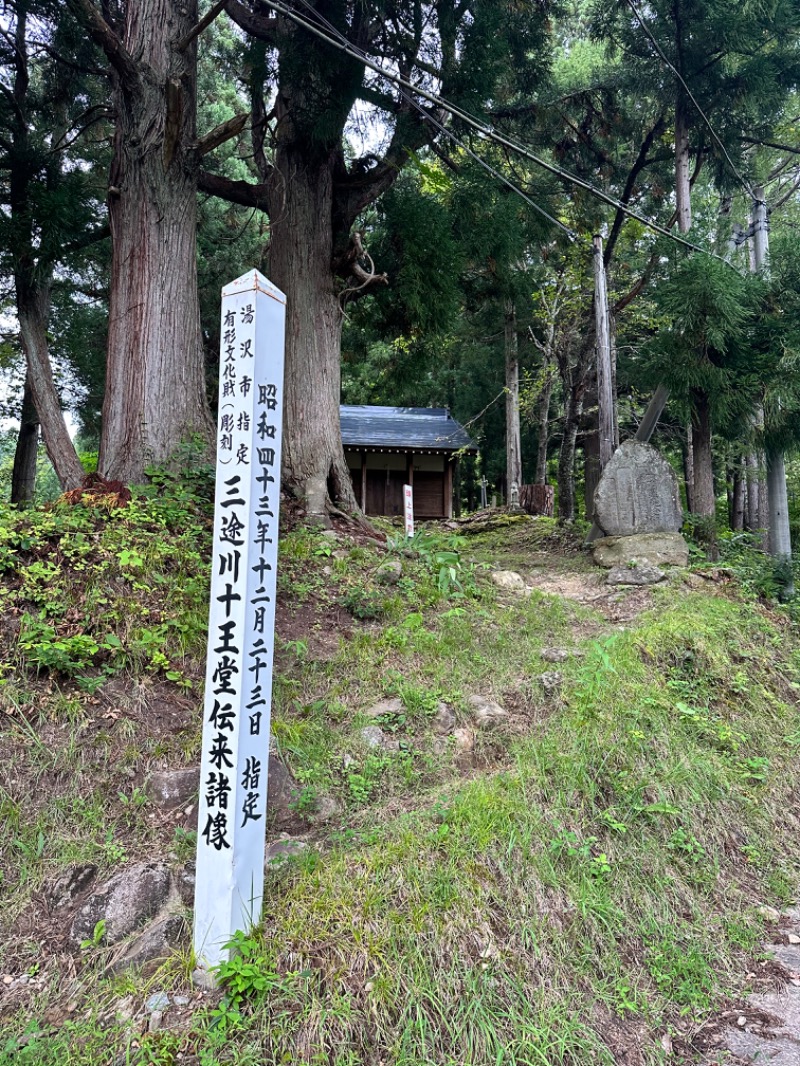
<point x="767" y="1028"/>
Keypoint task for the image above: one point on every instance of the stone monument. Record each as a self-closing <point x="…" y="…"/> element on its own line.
<point x="638" y="506"/>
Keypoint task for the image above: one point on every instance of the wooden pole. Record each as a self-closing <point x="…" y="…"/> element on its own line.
<point x="513" y="438"/>
<point x="605" y="374"/>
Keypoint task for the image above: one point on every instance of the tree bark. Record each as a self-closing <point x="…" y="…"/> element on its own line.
<point x="591" y="468"/>
<point x="605" y="373"/>
<point x="573" y="372"/>
<point x="780" y="541"/>
<point x="682" y="186"/>
<point x="23" y="474"/>
<point x="155" y="389"/>
<point x="688" y="457"/>
<point x="544" y="426"/>
<point x="566" y="459"/>
<point x="301" y="248"/>
<point x="704" y="499"/>
<point x="32" y="275"/>
<point x="33" y="310"/>
<point x="513" y="438"/>
<point x="738" y="504"/>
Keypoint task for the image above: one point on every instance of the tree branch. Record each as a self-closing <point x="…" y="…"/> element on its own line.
<point x="225" y="131"/>
<point x="772" y="144"/>
<point x="203" y="24"/>
<point x="638" y="166"/>
<point x="265" y="27"/>
<point x="92" y="237"/>
<point x="235" y="192"/>
<point x="362" y="187"/>
<point x="104" y="36"/>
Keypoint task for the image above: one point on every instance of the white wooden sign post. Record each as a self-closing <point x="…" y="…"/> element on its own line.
<point x="408" y="504"/>
<point x="235" y="759"/>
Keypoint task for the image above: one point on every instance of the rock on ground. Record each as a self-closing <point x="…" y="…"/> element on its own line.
<point x="509" y="581"/>
<point x="639" y="573"/>
<point x="551" y="681"/>
<point x="444" y="720"/>
<point x="283" y="796"/>
<point x="152" y="946"/>
<point x="283" y="849"/>
<point x="390" y="572"/>
<point x="752" y="1039"/>
<point x="554" y="655"/>
<point x="173" y="788"/>
<point x="385" y="708"/>
<point x="658" y="549"/>
<point x="486" y="712"/>
<point x="464" y="740"/>
<point x="66" y="888"/>
<point x="124" y="903"/>
<point x="374" y="737"/>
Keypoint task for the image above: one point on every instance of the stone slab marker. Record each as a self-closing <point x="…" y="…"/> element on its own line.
<point x="236" y="717"/>
<point x="638" y="493"/>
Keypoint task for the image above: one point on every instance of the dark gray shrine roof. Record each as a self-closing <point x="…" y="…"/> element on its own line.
<point x="403" y="429"/>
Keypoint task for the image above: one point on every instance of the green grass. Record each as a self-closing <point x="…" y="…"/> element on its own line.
<point x="597" y="873"/>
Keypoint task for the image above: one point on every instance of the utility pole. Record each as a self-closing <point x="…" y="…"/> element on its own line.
<point x="780" y="541"/>
<point x="513" y="437"/>
<point x="605" y="377"/>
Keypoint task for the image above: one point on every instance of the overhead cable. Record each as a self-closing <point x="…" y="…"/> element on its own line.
<point x="484" y="130"/>
<point x="449" y="133"/>
<point x="742" y="180"/>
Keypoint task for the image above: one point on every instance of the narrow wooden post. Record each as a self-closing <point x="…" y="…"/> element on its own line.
<point x="364" y="482"/>
<point x="238" y="695"/>
<point x="448" y="488"/>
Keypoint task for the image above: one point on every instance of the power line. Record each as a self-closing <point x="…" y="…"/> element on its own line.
<point x="488" y="132"/>
<point x="743" y="181"/>
<point x="449" y="133"/>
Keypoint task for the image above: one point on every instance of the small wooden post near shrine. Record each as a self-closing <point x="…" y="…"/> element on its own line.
<point x="236" y="717"/>
<point x="408" y="509"/>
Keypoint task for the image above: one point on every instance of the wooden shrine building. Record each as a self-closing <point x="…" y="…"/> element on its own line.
<point x="388" y="447"/>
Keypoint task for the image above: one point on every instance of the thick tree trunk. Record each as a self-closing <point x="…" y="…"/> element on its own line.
<point x="23" y="473"/>
<point x="780" y="538"/>
<point x="703" y="497"/>
<point x="301" y="249"/>
<point x="155" y="390"/>
<point x="33" y="310"/>
<point x="513" y="438"/>
<point x="753" y="501"/>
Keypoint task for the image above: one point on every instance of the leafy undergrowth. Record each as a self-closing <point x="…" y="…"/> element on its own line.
<point x="587" y="881"/>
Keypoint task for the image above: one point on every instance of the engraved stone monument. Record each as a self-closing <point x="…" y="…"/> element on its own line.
<point x="637" y="503"/>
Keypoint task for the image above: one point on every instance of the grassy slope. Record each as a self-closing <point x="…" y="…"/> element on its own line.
<point x="591" y="883"/>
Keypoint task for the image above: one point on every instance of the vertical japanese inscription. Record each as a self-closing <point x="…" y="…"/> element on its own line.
<point x="235" y="758"/>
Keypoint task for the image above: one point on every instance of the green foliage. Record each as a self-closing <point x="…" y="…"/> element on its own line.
<point x="91" y="583"/>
